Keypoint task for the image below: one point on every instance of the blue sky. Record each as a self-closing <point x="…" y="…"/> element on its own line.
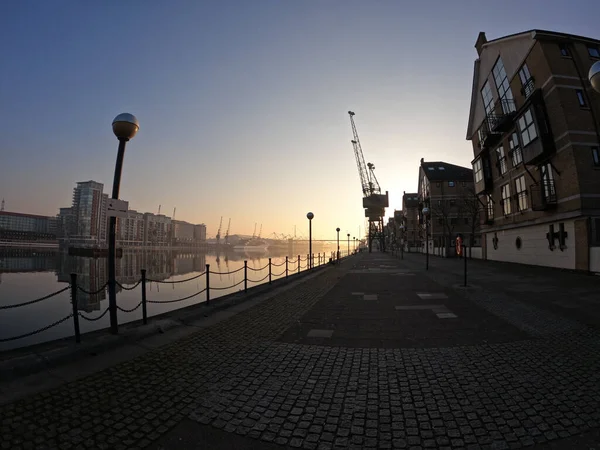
<point x="243" y="105"/>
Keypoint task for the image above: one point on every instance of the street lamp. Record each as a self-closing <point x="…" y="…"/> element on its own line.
<point x="348" y="243"/>
<point x="353" y="244"/>
<point x="338" y="244"/>
<point x="425" y="217"/>
<point x="310" y="216"/>
<point x="594" y="76"/>
<point x="124" y="126"/>
<point x="401" y="241"/>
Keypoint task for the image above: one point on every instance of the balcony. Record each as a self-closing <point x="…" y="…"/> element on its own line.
<point x="487" y="136"/>
<point x="485" y="184"/>
<point x="501" y="120"/>
<point x="528" y="87"/>
<point x="543" y="195"/>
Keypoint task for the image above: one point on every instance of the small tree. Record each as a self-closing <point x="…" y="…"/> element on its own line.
<point x="472" y="207"/>
<point x="444" y="211"/>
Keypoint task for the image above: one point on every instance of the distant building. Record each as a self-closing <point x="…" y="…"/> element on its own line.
<point x="410" y="214"/>
<point x="534" y="124"/>
<point x="200" y="233"/>
<point x="64" y="224"/>
<point x="24" y="227"/>
<point x="88" y="212"/>
<point x="130" y="230"/>
<point x="183" y="232"/>
<point x="157" y="230"/>
<point x="447" y="190"/>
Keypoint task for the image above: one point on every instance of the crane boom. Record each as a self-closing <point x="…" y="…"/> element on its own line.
<point x="360" y="159"/>
<point x="219" y="231"/>
<point x="227" y="232"/>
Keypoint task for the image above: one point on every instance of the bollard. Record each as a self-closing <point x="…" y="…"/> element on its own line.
<point x="245" y="275"/>
<point x="144" y="311"/>
<point x="286" y="266"/>
<point x="298" y="263"/>
<point x="464" y="255"/>
<point x="308" y="261"/>
<point x="269" y="270"/>
<point x="75" y="311"/>
<point x="207" y="283"/>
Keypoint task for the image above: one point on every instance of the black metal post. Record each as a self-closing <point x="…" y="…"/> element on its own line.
<point x="286" y="266"/>
<point x="298" y="263"/>
<point x="144" y="310"/>
<point x="308" y="261"/>
<point x="464" y="255"/>
<point x="245" y="275"/>
<point x="208" y="283"/>
<point x="309" y="241"/>
<point x="269" y="270"/>
<point x="426" y="244"/>
<point x="338" y="246"/>
<point x="348" y="245"/>
<point x="112" y="242"/>
<point x="75" y="308"/>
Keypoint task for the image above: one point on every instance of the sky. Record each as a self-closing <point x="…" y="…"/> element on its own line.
<point x="243" y="105"/>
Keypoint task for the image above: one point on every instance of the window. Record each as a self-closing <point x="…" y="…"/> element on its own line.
<point x="580" y="97"/>
<point x="521" y="193"/>
<point x="489" y="210"/>
<point x="506" y="199"/>
<point x="548" y="182"/>
<point x="527" y="128"/>
<point x="442" y="168"/>
<point x="564" y="50"/>
<point x="503" y="86"/>
<point x="501" y="160"/>
<point x="593" y="51"/>
<point x="596" y="156"/>
<point x="488" y="99"/>
<point x="526" y="80"/>
<point x="450" y="183"/>
<point x="477" y="171"/>
<point x="515" y="150"/>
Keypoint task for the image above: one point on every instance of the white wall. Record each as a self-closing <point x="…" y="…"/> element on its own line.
<point x="534" y="249"/>
<point x="595" y="259"/>
<point x="475" y="252"/>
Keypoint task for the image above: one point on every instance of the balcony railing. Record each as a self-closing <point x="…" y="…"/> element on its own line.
<point x="543" y="195"/>
<point x="528" y="87"/>
<point x="502" y="117"/>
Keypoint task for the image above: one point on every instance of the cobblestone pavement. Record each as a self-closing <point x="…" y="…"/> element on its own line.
<point x="537" y="383"/>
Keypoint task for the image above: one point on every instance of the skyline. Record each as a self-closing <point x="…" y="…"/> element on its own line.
<point x="243" y="108"/>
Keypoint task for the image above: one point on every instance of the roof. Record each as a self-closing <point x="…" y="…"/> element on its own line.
<point x="536" y="31"/>
<point x="442" y="171"/>
<point x="16" y="214"/>
<point x="410" y="200"/>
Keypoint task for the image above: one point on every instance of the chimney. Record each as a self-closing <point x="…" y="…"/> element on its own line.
<point x="481" y="39"/>
<point x="422" y="161"/>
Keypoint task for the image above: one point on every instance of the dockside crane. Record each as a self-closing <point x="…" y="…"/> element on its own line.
<point x="219" y="231"/>
<point x="260" y="232"/>
<point x="254" y="232"/>
<point x="374" y="202"/>
<point x="227" y="232"/>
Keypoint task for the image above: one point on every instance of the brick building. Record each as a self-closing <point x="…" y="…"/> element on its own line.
<point x="534" y="127"/>
<point x="447" y="190"/>
<point x="410" y="213"/>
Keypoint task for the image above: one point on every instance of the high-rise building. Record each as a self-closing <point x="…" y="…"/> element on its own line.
<point x="89" y="215"/>
<point x="534" y="124"/>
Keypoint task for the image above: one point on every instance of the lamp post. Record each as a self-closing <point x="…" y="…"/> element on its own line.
<point x="124" y="126"/>
<point x="348" y="243"/>
<point x="425" y="217"/>
<point x="310" y="216"/>
<point x="353" y="244"/>
<point x="338" y="244"/>
<point x="401" y="241"/>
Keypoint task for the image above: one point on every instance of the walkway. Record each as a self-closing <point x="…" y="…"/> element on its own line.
<point x="377" y="353"/>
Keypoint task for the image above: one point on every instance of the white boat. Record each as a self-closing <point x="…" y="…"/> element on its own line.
<point x="252" y="245"/>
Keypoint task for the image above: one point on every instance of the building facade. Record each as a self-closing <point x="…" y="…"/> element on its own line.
<point x="130" y="229"/>
<point x="157" y="230"/>
<point x="24" y="227"/>
<point x="447" y="190"/>
<point x="183" y="233"/>
<point x="534" y="124"/>
<point x="410" y="220"/>
<point x="88" y="214"/>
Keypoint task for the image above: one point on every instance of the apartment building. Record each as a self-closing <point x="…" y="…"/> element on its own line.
<point x="88" y="219"/>
<point x="130" y="229"/>
<point x="16" y="226"/>
<point x="410" y="220"/>
<point x="535" y="131"/>
<point x="454" y="210"/>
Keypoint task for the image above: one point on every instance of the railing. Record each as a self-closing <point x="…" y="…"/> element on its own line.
<point x="292" y="265"/>
<point x="528" y="88"/>
<point x="543" y="195"/>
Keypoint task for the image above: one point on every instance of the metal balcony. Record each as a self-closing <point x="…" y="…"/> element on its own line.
<point x="501" y="120"/>
<point x="528" y="88"/>
<point x="543" y="195"/>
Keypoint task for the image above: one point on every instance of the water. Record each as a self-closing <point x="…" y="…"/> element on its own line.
<point x="24" y="278"/>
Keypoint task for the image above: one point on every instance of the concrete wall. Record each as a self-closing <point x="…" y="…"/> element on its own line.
<point x="534" y="249"/>
<point x="595" y="259"/>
